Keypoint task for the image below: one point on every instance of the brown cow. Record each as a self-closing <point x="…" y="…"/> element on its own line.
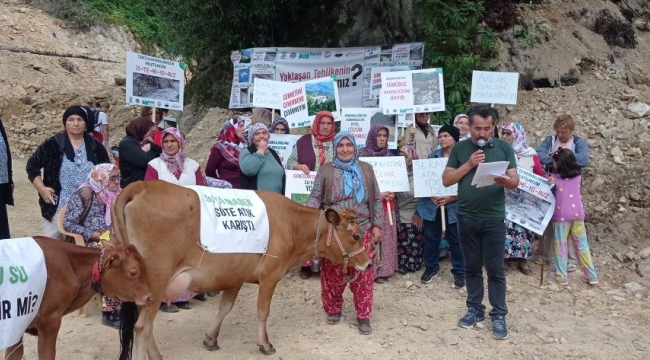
<point x="68" y="287"/>
<point x="162" y="220"/>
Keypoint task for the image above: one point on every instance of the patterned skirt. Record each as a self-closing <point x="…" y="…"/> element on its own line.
<point x="519" y="242"/>
<point x="410" y="246"/>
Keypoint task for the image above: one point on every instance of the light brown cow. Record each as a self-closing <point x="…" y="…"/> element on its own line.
<point x="120" y="272"/>
<point x="162" y="220"/>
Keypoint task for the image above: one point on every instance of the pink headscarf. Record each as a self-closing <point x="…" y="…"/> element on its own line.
<point x="175" y="162"/>
<point x="98" y="181"/>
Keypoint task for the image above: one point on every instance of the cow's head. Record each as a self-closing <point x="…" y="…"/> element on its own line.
<point x="122" y="273"/>
<point x="341" y="239"/>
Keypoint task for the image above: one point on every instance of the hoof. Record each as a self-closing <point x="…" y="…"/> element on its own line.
<point x="207" y="342"/>
<point x="264" y="351"/>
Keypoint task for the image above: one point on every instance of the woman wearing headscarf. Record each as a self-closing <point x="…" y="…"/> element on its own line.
<point x="89" y="214"/>
<point x="136" y="150"/>
<point x="421" y="135"/>
<point x="385" y="261"/>
<point x="519" y="240"/>
<point x="260" y="166"/>
<point x="346" y="183"/>
<point x="279" y="126"/>
<point x="410" y="240"/>
<point x="66" y="159"/>
<point x="223" y="163"/>
<point x="311" y="152"/>
<point x="6" y="183"/>
<point x="461" y="122"/>
<point x="172" y="165"/>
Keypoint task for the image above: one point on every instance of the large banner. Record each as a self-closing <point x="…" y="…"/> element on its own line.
<point x="299" y="185"/>
<point x="156" y="82"/>
<point x="359" y="120"/>
<point x="414" y="91"/>
<point x="493" y="87"/>
<point x="283" y="144"/>
<point x="427" y="178"/>
<point x="351" y="67"/>
<point x="390" y="172"/>
<point x="532" y="204"/>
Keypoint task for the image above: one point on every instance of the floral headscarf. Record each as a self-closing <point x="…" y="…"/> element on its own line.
<point x="466" y="136"/>
<point x="371" y="141"/>
<point x="98" y="181"/>
<point x="519" y="145"/>
<point x="320" y="139"/>
<point x="174" y="162"/>
<point x="410" y="154"/>
<point x="251" y="129"/>
<point x="279" y="120"/>
<point x="351" y="172"/>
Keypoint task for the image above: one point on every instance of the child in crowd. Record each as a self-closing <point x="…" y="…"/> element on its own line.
<point x="568" y="218"/>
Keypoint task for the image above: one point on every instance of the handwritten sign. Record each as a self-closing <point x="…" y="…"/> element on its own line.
<point x="427" y="178"/>
<point x="266" y="93"/>
<point x="299" y="185"/>
<point x="283" y="144"/>
<point x="413" y="91"/>
<point x="390" y="172"/>
<point x="152" y="81"/>
<point x="532" y="204"/>
<point x="493" y="87"/>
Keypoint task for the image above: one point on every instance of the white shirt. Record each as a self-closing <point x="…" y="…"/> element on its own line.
<point x="103" y="120"/>
<point x="188" y="177"/>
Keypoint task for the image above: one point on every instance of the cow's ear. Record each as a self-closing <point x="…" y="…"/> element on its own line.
<point x="332" y="217"/>
<point x="110" y="260"/>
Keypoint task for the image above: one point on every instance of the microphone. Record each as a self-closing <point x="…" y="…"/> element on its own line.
<point x="481" y="144"/>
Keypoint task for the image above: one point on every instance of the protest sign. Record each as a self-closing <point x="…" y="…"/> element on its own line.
<point x="390" y="172"/>
<point x="493" y="87"/>
<point x="376" y="71"/>
<point x="299" y="185"/>
<point x="427" y="178"/>
<point x="530" y="205"/>
<point x="358" y="121"/>
<point x="413" y="91"/>
<point x="283" y="144"/>
<point x="302" y="101"/>
<point x="266" y="94"/>
<point x="155" y="82"/>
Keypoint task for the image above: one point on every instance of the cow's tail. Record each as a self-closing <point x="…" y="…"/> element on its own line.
<point x="118" y="211"/>
<point x="128" y="317"/>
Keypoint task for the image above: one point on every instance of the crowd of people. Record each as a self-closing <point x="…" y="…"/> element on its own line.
<point x="72" y="172"/>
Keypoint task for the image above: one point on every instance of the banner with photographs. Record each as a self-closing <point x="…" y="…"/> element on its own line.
<point x="283" y="144"/>
<point x="155" y="82"/>
<point x="351" y="67"/>
<point x="427" y="178"/>
<point x="414" y="91"/>
<point x="532" y="204"/>
<point x="359" y="120"/>
<point x="492" y="87"/>
<point x="298" y="185"/>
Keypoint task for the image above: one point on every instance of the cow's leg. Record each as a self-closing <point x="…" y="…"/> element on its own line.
<point x="228" y="298"/>
<point x="145" y="345"/>
<point x="264" y="296"/>
<point x="15" y="352"/>
<point x="47" y="333"/>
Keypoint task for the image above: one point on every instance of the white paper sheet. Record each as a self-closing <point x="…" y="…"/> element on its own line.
<point x="486" y="172"/>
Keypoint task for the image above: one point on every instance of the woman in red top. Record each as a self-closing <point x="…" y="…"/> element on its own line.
<point x="223" y="163"/>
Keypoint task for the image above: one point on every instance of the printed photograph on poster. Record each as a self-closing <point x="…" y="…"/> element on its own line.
<point x="320" y="96"/>
<point x="426" y="88"/>
<point x="270" y="56"/>
<point x="298" y="185"/>
<point x="263" y="75"/>
<point x="246" y="56"/>
<point x="531" y="205"/>
<point x="244" y="97"/>
<point x="244" y="75"/>
<point x="416" y="52"/>
<point x="152" y="81"/>
<point x="492" y="87"/>
<point x="386" y="55"/>
<point x="154" y="87"/>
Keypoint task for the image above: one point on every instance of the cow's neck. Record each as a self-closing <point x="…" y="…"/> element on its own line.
<point x="83" y="261"/>
<point x="308" y="228"/>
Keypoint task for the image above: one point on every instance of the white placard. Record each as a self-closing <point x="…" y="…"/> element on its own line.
<point x="156" y="82"/>
<point x="283" y="144"/>
<point x="358" y="121"/>
<point x="299" y="185"/>
<point x="532" y="203"/>
<point x="427" y="178"/>
<point x="375" y="74"/>
<point x="413" y="91"/>
<point x="302" y="101"/>
<point x="491" y="87"/>
<point x="266" y="93"/>
<point x="390" y="172"/>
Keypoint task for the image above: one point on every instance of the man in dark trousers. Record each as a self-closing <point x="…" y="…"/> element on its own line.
<point x="481" y="216"/>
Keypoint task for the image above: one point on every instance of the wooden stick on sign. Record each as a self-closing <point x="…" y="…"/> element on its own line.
<point x="153" y="115"/>
<point x="442" y="219"/>
<point x="390" y="215"/>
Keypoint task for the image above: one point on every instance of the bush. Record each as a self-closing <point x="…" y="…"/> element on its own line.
<point x="77" y="14"/>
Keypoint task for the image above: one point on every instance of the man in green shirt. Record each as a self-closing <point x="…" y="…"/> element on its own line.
<point x="481" y="216"/>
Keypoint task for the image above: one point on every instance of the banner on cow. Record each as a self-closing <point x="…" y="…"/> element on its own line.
<point x="266" y="93"/>
<point x="283" y="144"/>
<point x="299" y="185"/>
<point x="390" y="172"/>
<point x="156" y="82"/>
<point x="232" y="220"/>
<point x="427" y="178"/>
<point x="414" y="91"/>
<point x="302" y="101"/>
<point x="351" y="67"/>
<point x="492" y="87"/>
<point x="532" y="204"/>
<point x="23" y="277"/>
<point x="359" y="120"/>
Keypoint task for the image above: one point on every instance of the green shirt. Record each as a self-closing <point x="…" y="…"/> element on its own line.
<point x="487" y="202"/>
<point x="269" y="171"/>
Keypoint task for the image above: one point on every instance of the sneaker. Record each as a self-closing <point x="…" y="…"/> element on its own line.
<point x="590" y="282"/>
<point x="470" y="319"/>
<point x="571" y="267"/>
<point x="364" y="326"/>
<point x="563" y="282"/>
<point x="168" y="309"/>
<point x="428" y="276"/>
<point x="459" y="281"/>
<point x="499" y="329"/>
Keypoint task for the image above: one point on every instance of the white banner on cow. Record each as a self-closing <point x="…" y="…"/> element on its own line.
<point x="413" y="91"/>
<point x="390" y="172"/>
<point x="283" y="144"/>
<point x="266" y="93"/>
<point x="532" y="204"/>
<point x="302" y="101"/>
<point x="427" y="178"/>
<point x="358" y="121"/>
<point x="23" y="277"/>
<point x="493" y="87"/>
<point x="299" y="185"/>
<point x="156" y="82"/>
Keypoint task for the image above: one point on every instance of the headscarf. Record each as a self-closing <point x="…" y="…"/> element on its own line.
<point x="315" y="126"/>
<point x="279" y="120"/>
<point x="466" y="136"/>
<point x="174" y="162"/>
<point x="228" y="141"/>
<point x="351" y="172"/>
<point x="251" y="129"/>
<point x="451" y="130"/>
<point x="371" y="141"/>
<point x="519" y="145"/>
<point x="68" y="149"/>
<point x="139" y="128"/>
<point x="98" y="181"/>
<point x="75" y="110"/>
<point x="410" y="155"/>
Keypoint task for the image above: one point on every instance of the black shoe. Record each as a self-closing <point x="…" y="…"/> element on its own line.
<point x="471" y="319"/>
<point x="459" y="281"/>
<point x="201" y="297"/>
<point x="364" y="326"/>
<point x="213" y="293"/>
<point x="403" y="271"/>
<point x="428" y="276"/>
<point x="305" y="272"/>
<point x="499" y="329"/>
<point x="168" y="309"/>
<point x="185" y="305"/>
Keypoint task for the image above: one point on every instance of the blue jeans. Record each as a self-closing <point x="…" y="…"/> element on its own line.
<point x="432" y="237"/>
<point x="482" y="243"/>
